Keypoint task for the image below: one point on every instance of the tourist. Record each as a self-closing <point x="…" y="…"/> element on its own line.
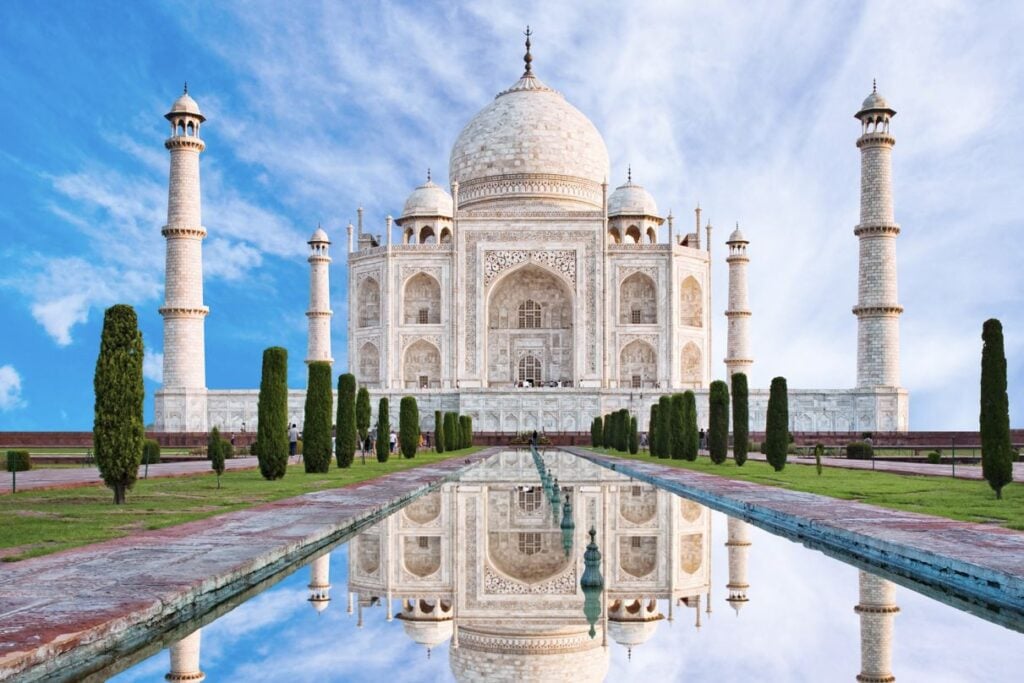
<point x="393" y="439"/>
<point x="703" y="439"/>
<point x="293" y="440"/>
<point x="426" y="439"/>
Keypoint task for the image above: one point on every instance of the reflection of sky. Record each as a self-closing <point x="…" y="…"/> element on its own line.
<point x="798" y="626"/>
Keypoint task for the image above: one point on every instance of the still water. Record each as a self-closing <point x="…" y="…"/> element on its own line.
<point x="481" y="580"/>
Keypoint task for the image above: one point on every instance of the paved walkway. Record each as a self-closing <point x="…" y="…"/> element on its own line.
<point x="62" y="610"/>
<point x="70" y="477"/>
<point x="881" y="465"/>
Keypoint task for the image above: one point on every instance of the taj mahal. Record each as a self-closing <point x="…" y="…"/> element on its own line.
<point x="531" y="293"/>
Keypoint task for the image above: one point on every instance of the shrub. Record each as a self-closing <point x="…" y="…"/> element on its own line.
<point x="227" y="449"/>
<point x="691" y="435"/>
<point x="438" y="431"/>
<point x="316" y="424"/>
<point x="17" y="461"/>
<point x="665" y="426"/>
<point x="408" y="426"/>
<point x="150" y="452"/>
<point x="819" y="450"/>
<point x="740" y="419"/>
<point x="345" y="422"/>
<point x="996" y="449"/>
<point x="634" y="438"/>
<point x="362" y="414"/>
<point x="776" y="438"/>
<point x="935" y="457"/>
<point x="718" y="421"/>
<point x="272" y="430"/>
<point x="118" y="432"/>
<point x="859" y="450"/>
<point x="215" y="453"/>
<point x="597" y="432"/>
<point x="652" y="431"/>
<point x="383" y="430"/>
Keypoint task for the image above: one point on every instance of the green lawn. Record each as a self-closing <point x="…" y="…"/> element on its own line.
<point x="963" y="499"/>
<point x="42" y="522"/>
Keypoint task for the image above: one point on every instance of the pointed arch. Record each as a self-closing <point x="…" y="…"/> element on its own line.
<point x="691" y="303"/>
<point x="691" y="368"/>
<point x="638" y="365"/>
<point x="421" y="299"/>
<point x="427" y="235"/>
<point x="652" y="236"/>
<point x="368" y="303"/>
<point x="633" y="235"/>
<point x="369" y="364"/>
<point x="638" y="300"/>
<point x="421" y="365"/>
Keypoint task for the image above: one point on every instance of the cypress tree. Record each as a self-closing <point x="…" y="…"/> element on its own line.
<point x="451" y="431"/>
<point x="665" y="427"/>
<point x="691" y="436"/>
<point x="215" y="453"/>
<point x="677" y="427"/>
<point x="438" y="432"/>
<point x="469" y="431"/>
<point x="345" y="422"/>
<point x="652" y="432"/>
<point x="597" y="432"/>
<point x="776" y="437"/>
<point x="272" y="430"/>
<point x="363" y="413"/>
<point x="740" y="418"/>
<point x="462" y="431"/>
<point x="634" y="439"/>
<point x="606" y="435"/>
<point x="994" y="418"/>
<point x="718" y="421"/>
<point x="408" y="426"/>
<point x="117" y="431"/>
<point x="383" y="431"/>
<point x="316" y="426"/>
<point x="624" y="430"/>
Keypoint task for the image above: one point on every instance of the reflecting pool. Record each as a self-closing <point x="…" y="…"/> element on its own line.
<point x="481" y="580"/>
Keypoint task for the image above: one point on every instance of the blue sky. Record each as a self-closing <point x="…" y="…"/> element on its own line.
<point x="314" y="109"/>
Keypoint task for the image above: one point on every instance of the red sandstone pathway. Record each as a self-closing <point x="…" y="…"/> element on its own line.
<point x="57" y="610"/>
<point x="67" y="477"/>
<point x="922" y="468"/>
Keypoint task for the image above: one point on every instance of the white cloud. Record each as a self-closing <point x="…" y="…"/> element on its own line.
<point x="153" y="365"/>
<point x="10" y="388"/>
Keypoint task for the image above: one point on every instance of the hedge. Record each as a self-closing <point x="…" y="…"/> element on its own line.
<point x="150" y="452"/>
<point x="859" y="450"/>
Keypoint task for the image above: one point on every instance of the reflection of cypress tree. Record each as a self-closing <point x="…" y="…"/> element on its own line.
<point x="383" y="430"/>
<point x="652" y="432"/>
<point x="272" y="427"/>
<point x="677" y="427"/>
<point x="345" y="437"/>
<point x="996" y="448"/>
<point x="316" y="424"/>
<point x="117" y="431"/>
<point x="691" y="437"/>
<point x="597" y="432"/>
<point x="776" y="436"/>
<point x="740" y="418"/>
<point x="718" y="421"/>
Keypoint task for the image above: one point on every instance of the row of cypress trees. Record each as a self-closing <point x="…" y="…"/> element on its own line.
<point x="452" y="431"/>
<point x="616" y="430"/>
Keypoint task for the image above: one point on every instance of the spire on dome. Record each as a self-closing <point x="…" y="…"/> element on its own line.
<point x="428" y="174"/>
<point x="629" y="174"/>
<point x="874" y="86"/>
<point x="528" y="58"/>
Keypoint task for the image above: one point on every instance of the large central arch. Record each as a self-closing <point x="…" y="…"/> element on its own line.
<point x="529" y="320"/>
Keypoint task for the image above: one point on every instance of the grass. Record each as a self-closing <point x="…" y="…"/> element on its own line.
<point x="961" y="499"/>
<point x="42" y="522"/>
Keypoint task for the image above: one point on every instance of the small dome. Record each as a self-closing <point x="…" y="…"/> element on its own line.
<point x="319" y="235"/>
<point x="631" y="633"/>
<point x="429" y="633"/>
<point x="736" y="236"/>
<point x="186" y="105"/>
<point x="631" y="200"/>
<point x="429" y="199"/>
<point x="875" y="102"/>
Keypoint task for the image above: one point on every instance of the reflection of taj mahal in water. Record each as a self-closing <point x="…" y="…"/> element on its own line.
<point x="534" y="295"/>
<point x="480" y="564"/>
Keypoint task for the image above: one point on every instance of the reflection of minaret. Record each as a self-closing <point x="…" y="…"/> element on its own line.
<point x="633" y="622"/>
<point x="739" y="546"/>
<point x="427" y="622"/>
<point x="185" y="660"/>
<point x="320" y="582"/>
<point x="876" y="609"/>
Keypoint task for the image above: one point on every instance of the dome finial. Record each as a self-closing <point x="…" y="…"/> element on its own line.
<point x="528" y="58"/>
<point x="186" y="87"/>
<point x="428" y="174"/>
<point x="629" y="174"/>
<point x="874" y="86"/>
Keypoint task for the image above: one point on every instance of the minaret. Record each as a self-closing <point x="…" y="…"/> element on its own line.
<point x="877" y="311"/>
<point x="319" y="312"/>
<point x="739" y="546"/>
<point x="320" y="583"/>
<point x="185" y="660"/>
<point x="877" y="608"/>
<point x="184" y="380"/>
<point x="738" y="357"/>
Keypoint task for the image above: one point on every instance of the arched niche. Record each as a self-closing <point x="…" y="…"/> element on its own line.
<point x="638" y="504"/>
<point x="368" y="303"/>
<point x="633" y="235"/>
<point x="691" y="303"/>
<point x="422" y="300"/>
<point x="427" y="235"/>
<point x="369" y="364"/>
<point x="638" y="365"/>
<point x="638" y="300"/>
<point x="691" y="552"/>
<point x="424" y="509"/>
<point x="638" y="555"/>
<point x="527" y="556"/>
<point x="421" y="365"/>
<point x="652" y="235"/>
<point x="421" y="555"/>
<point x="530" y="325"/>
<point x="691" y="367"/>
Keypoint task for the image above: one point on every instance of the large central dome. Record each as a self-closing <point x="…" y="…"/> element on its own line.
<point x="530" y="143"/>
